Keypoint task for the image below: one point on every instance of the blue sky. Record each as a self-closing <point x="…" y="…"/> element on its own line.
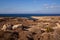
<point x="29" y="6"/>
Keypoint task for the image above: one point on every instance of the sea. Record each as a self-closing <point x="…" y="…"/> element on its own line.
<point x="27" y="15"/>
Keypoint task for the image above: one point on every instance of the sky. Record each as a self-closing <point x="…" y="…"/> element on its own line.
<point x="29" y="6"/>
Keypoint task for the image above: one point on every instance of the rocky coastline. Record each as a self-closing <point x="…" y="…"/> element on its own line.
<point x="37" y="28"/>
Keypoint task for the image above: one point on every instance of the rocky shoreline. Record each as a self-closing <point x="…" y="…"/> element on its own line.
<point x="21" y="28"/>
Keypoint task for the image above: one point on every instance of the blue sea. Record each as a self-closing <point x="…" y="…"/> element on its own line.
<point x="26" y="15"/>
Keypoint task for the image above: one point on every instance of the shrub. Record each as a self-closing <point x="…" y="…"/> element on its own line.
<point x="49" y="29"/>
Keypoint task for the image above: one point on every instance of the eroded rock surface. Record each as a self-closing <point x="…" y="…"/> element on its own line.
<point x="19" y="28"/>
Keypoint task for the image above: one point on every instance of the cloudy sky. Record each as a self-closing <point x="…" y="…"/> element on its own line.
<point x="29" y="6"/>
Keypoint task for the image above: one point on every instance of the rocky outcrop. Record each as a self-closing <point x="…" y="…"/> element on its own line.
<point x="19" y="28"/>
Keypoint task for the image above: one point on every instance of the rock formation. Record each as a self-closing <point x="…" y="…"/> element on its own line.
<point x="19" y="28"/>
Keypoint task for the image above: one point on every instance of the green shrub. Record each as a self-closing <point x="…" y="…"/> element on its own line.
<point x="49" y="29"/>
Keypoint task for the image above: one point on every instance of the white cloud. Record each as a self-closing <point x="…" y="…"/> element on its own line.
<point x="53" y="5"/>
<point x="47" y="7"/>
<point x="45" y="4"/>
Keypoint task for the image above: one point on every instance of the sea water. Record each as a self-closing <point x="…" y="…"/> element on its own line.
<point x="26" y="15"/>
